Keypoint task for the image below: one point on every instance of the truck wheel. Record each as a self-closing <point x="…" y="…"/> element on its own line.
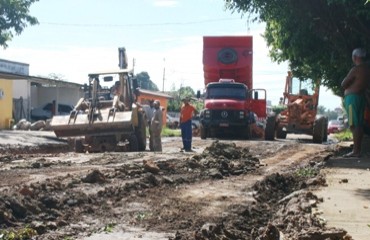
<point x="247" y="132"/>
<point x="203" y="132"/>
<point x="325" y="139"/>
<point x="79" y="147"/>
<point x="270" y="128"/>
<point x="133" y="143"/>
<point x="140" y="132"/>
<point x="318" y="130"/>
<point x="280" y="133"/>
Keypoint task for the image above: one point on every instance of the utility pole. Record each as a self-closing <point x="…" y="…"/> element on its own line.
<point x="164" y="73"/>
<point x="133" y="66"/>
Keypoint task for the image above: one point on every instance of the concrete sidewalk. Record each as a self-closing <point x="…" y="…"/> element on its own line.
<point x="347" y="198"/>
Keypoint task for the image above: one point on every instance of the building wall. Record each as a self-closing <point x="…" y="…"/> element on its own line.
<point x="21" y="99"/>
<point x="43" y="95"/>
<point x="6" y="103"/>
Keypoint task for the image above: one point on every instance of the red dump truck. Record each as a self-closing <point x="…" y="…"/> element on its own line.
<point x="231" y="106"/>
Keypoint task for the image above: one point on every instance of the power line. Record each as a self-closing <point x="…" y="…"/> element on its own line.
<point x="137" y="24"/>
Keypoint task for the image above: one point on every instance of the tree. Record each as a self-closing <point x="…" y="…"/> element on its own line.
<point x="316" y="37"/>
<point x="14" y="18"/>
<point x="144" y="82"/>
<point x="175" y="103"/>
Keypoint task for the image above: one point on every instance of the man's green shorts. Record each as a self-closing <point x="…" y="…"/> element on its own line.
<point x="355" y="108"/>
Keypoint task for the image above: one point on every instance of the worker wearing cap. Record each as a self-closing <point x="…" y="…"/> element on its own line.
<point x="156" y="127"/>
<point x="149" y="109"/>
<point x="186" y="114"/>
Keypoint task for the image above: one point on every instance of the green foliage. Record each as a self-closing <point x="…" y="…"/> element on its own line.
<point x="278" y="109"/>
<point x="140" y="216"/>
<point x="168" y="132"/>
<point x="344" y="135"/>
<point x="331" y="114"/>
<point x="144" y="82"/>
<point x="174" y="104"/>
<point x="316" y="37"/>
<point x="109" y="227"/>
<point x="18" y="234"/>
<point x="307" y="172"/>
<point x="14" y="17"/>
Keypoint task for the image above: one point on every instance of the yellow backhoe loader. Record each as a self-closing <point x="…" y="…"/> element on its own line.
<point x="97" y="124"/>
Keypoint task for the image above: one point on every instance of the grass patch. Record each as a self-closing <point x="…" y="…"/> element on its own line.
<point x="307" y="172"/>
<point x="18" y="234"/>
<point x="168" y="132"/>
<point x="345" y="135"/>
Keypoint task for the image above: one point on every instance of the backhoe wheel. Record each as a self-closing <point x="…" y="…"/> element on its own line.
<point x="280" y="133"/>
<point x="78" y="146"/>
<point x="140" y="132"/>
<point x="203" y="132"/>
<point x="318" y="130"/>
<point x="270" y="128"/>
<point x="133" y="143"/>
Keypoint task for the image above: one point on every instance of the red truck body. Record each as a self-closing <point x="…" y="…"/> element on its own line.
<point x="219" y="60"/>
<point x="230" y="101"/>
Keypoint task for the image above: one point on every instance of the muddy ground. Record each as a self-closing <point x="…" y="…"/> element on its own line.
<point x="223" y="190"/>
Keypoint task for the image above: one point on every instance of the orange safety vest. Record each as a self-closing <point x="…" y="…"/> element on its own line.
<point x="186" y="112"/>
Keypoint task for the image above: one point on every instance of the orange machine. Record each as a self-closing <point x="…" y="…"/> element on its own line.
<point x="301" y="99"/>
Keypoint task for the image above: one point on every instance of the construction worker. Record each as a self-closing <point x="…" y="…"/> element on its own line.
<point x="156" y="127"/>
<point x="186" y="114"/>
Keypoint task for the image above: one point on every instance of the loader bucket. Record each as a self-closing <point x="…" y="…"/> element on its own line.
<point x="103" y="122"/>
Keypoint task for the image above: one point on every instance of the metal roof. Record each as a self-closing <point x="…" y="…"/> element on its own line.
<point x="161" y="94"/>
<point x="46" y="82"/>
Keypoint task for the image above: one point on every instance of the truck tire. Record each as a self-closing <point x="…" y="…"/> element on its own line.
<point x="140" y="132"/>
<point x="133" y="143"/>
<point x="78" y="145"/>
<point x="247" y="133"/>
<point x="325" y="139"/>
<point x="203" y="132"/>
<point x="270" y="128"/>
<point x="318" y="130"/>
<point x="280" y="133"/>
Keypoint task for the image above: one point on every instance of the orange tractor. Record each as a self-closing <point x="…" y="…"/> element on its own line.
<point x="300" y="116"/>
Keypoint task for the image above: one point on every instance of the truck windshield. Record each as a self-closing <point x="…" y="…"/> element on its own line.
<point x="226" y="93"/>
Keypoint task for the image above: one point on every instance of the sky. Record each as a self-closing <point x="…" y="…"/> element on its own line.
<point x="162" y="37"/>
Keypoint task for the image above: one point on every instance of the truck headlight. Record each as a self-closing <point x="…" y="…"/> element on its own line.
<point x="207" y="114"/>
<point x="241" y="114"/>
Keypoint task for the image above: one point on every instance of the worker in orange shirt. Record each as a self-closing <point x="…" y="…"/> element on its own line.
<point x="186" y="114"/>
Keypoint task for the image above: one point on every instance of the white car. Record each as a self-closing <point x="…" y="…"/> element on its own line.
<point x="45" y="112"/>
<point x="172" y="122"/>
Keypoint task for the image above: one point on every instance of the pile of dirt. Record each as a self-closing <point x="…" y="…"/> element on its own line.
<point x="283" y="210"/>
<point x="283" y="207"/>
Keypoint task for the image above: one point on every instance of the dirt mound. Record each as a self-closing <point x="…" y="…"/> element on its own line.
<point x="283" y="209"/>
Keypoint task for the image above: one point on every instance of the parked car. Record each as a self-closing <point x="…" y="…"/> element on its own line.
<point x="45" y="112"/>
<point x="335" y="126"/>
<point x="172" y="122"/>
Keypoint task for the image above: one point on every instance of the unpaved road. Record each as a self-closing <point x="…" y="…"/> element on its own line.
<point x="223" y="190"/>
